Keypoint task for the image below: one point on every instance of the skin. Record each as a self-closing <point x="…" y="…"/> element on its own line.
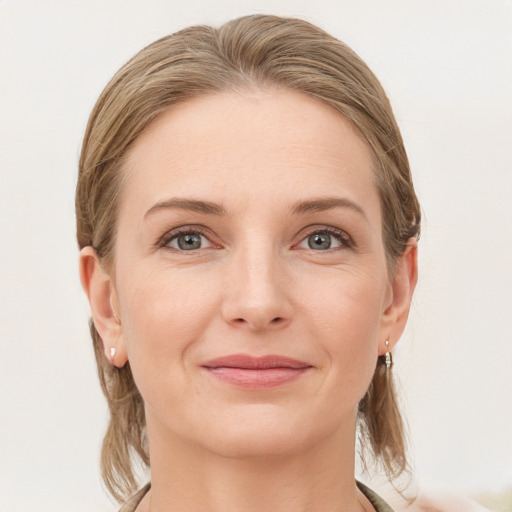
<point x="253" y="286"/>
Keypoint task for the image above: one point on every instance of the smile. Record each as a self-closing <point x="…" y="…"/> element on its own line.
<point x="256" y="372"/>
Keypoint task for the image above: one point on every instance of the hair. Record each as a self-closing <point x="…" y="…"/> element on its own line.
<point x="260" y="51"/>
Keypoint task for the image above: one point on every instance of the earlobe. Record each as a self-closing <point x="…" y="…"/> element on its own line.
<point x="402" y="288"/>
<point x="100" y="291"/>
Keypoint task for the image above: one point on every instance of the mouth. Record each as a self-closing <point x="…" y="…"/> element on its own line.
<point x="256" y="372"/>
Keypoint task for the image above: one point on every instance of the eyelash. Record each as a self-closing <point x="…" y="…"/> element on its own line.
<point x="186" y="230"/>
<point x="344" y="238"/>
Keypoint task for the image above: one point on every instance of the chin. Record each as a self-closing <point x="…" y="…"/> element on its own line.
<point x="254" y="445"/>
<point x="263" y="436"/>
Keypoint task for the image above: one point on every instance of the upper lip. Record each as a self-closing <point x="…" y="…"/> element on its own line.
<point x="255" y="363"/>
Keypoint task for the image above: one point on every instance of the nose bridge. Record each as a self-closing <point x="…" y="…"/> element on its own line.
<point x="257" y="293"/>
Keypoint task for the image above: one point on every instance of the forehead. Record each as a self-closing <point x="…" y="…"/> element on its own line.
<point x="257" y="145"/>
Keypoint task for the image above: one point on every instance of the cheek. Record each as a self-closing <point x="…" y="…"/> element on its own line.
<point x="346" y="318"/>
<point x="165" y="312"/>
<point x="347" y="304"/>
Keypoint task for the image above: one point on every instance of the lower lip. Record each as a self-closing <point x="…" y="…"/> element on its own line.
<point x="267" y="378"/>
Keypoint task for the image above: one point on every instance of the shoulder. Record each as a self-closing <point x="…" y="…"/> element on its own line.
<point x="419" y="500"/>
<point x="443" y="502"/>
<point x="377" y="502"/>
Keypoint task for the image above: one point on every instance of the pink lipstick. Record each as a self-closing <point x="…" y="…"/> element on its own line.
<point x="256" y="372"/>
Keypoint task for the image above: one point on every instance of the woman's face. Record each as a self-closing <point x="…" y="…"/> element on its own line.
<point x="250" y="274"/>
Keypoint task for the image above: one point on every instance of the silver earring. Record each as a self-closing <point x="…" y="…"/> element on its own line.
<point x="112" y="354"/>
<point x="388" y="356"/>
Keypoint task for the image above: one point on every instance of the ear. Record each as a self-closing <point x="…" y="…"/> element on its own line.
<point x="402" y="288"/>
<point x="100" y="291"/>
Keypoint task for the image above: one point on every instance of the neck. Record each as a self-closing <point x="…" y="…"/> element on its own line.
<point x="188" y="478"/>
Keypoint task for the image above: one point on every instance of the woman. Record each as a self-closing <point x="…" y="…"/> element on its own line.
<point x="248" y="228"/>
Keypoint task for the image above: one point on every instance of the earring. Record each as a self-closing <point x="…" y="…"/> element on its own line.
<point x="388" y="356"/>
<point x="112" y="354"/>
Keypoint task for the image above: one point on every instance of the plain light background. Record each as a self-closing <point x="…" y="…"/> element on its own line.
<point x="446" y="65"/>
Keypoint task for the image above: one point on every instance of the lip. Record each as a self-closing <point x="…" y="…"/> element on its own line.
<point x="256" y="372"/>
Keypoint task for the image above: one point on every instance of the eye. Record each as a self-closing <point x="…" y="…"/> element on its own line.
<point x="187" y="241"/>
<point x="325" y="239"/>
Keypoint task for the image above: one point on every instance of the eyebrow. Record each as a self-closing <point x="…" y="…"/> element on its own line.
<point x="326" y="203"/>
<point x="300" y="207"/>
<point x="205" y="207"/>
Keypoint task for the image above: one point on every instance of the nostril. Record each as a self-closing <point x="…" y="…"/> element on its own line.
<point x="276" y="320"/>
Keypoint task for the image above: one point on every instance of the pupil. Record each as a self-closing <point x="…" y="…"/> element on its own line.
<point x="319" y="241"/>
<point x="189" y="242"/>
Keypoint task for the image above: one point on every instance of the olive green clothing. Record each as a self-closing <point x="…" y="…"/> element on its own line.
<point x="378" y="503"/>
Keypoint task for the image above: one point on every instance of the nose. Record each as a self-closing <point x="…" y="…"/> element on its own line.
<point x="257" y="292"/>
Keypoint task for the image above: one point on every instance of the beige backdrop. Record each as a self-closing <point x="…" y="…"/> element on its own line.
<point x="446" y="66"/>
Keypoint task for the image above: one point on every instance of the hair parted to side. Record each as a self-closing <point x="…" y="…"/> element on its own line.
<point x="259" y="51"/>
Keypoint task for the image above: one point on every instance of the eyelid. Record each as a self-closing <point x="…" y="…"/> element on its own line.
<point x="173" y="233"/>
<point x="346" y="240"/>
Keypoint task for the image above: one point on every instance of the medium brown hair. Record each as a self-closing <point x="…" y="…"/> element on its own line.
<point x="254" y="51"/>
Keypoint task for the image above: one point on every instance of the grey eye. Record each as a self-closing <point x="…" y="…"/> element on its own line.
<point x="322" y="241"/>
<point x="319" y="241"/>
<point x="188" y="241"/>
